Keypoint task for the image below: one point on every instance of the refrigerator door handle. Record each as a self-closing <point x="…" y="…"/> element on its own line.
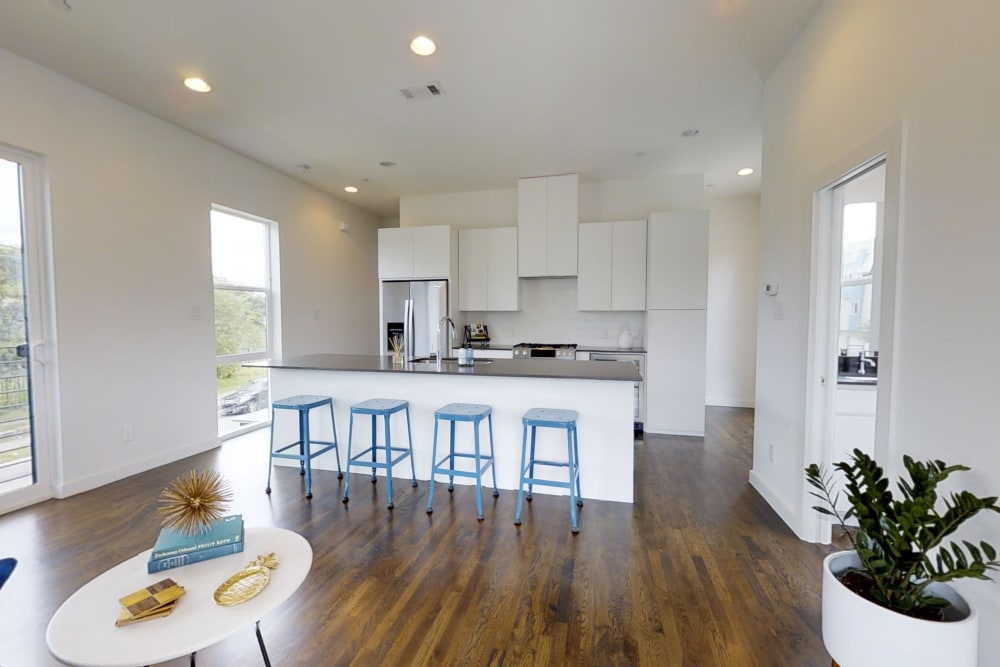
<point x="408" y="328"/>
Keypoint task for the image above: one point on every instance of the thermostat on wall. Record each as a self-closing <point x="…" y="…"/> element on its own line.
<point x="771" y="289"/>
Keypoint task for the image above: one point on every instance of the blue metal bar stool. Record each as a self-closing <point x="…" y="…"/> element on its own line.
<point x="380" y="407"/>
<point x="463" y="412"/>
<point x="302" y="405"/>
<point x="550" y="418"/>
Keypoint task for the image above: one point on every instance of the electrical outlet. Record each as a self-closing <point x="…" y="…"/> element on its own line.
<point x="770" y="453"/>
<point x="127" y="434"/>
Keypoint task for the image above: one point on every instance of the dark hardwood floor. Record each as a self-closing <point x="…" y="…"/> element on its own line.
<point x="699" y="571"/>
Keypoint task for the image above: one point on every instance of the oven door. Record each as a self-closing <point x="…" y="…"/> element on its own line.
<point x="639" y="402"/>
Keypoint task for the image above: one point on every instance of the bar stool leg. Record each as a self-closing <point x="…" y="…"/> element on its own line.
<point x="306" y="463"/>
<point x="576" y="459"/>
<point x="374" y="442"/>
<point x="270" y="458"/>
<point x="493" y="464"/>
<point x="451" y="457"/>
<point x="350" y="441"/>
<point x="434" y="449"/>
<point x="409" y="443"/>
<point x="520" y="486"/>
<point x="333" y="425"/>
<point x="531" y="465"/>
<point x="388" y="455"/>
<point x="572" y="488"/>
<point x="479" y="476"/>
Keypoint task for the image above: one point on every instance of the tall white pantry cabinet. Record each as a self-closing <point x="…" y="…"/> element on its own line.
<point x="676" y="323"/>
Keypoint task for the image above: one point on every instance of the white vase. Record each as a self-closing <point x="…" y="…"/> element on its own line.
<point x="625" y="339"/>
<point x="859" y="633"/>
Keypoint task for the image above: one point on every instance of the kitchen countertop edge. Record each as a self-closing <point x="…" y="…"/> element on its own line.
<point x="527" y="368"/>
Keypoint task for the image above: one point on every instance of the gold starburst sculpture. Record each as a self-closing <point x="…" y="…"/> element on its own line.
<point x="193" y="500"/>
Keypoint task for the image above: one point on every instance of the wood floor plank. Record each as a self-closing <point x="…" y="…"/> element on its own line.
<point x="698" y="572"/>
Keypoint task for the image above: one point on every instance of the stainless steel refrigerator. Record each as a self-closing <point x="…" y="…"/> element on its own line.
<point x="412" y="310"/>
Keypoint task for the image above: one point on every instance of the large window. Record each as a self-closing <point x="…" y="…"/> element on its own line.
<point x="244" y="322"/>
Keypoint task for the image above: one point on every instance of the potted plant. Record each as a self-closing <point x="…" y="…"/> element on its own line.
<point x="887" y="602"/>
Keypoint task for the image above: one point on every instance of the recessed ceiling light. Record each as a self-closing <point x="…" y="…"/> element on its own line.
<point x="745" y="171"/>
<point x="197" y="85"/>
<point x="689" y="133"/>
<point x="422" y="46"/>
<point x="387" y="164"/>
<point x="303" y="167"/>
<point x="351" y="189"/>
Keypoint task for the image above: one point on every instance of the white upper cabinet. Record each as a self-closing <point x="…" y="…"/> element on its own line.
<point x="612" y="266"/>
<point x="487" y="269"/>
<point x="547" y="216"/>
<point x="414" y="252"/>
<point x="593" y="283"/>
<point x="677" y="278"/>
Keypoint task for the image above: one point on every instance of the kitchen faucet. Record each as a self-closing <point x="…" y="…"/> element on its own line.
<point x="443" y="340"/>
<point x="863" y="359"/>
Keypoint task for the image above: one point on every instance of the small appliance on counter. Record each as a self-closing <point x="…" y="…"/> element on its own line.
<point x="477" y="334"/>
<point x="564" y="351"/>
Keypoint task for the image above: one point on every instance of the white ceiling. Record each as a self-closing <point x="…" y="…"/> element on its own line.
<point x="532" y="87"/>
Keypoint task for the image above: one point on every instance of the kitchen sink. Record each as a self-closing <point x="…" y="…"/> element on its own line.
<point x="446" y="360"/>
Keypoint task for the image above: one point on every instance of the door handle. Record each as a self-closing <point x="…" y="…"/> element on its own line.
<point x="22" y="350"/>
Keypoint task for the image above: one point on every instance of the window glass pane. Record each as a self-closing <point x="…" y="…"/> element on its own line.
<point x="240" y="321"/>
<point x="859" y="240"/>
<point x="243" y="396"/>
<point x="239" y="251"/>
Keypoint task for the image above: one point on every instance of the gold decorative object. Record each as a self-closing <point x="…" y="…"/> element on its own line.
<point x="397" y="349"/>
<point x="246" y="583"/>
<point x="193" y="500"/>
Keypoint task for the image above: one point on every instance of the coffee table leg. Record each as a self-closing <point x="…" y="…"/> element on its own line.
<point x="263" y="649"/>
<point x="192" y="660"/>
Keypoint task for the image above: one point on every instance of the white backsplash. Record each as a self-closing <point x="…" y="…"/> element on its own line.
<point x="548" y="315"/>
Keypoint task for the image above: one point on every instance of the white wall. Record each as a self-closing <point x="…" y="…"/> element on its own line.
<point x="130" y="201"/>
<point x="548" y="315"/>
<point x="730" y="363"/>
<point x="859" y="69"/>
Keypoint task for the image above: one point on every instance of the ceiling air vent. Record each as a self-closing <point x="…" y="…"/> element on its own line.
<point x="432" y="89"/>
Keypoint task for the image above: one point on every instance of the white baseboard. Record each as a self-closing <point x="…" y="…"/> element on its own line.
<point x="729" y="402"/>
<point x="660" y="431"/>
<point x="73" y="487"/>
<point x="779" y="506"/>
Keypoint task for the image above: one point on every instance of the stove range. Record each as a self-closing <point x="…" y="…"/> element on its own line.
<point x="561" y="351"/>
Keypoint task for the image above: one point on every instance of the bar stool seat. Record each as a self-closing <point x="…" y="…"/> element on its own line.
<point x="385" y="408"/>
<point x="463" y="412"/>
<point x="550" y="418"/>
<point x="303" y="404"/>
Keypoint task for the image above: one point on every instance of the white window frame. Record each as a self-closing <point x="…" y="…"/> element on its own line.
<point x="271" y="303"/>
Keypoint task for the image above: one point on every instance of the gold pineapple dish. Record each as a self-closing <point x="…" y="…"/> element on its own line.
<point x="246" y="583"/>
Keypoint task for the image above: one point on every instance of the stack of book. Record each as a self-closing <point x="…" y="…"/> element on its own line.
<point x="173" y="549"/>
<point x="155" y="601"/>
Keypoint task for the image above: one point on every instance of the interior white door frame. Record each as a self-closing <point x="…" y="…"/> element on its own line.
<point x="40" y="306"/>
<point x="888" y="146"/>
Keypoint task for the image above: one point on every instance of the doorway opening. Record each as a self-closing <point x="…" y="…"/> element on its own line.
<point x="26" y="422"/>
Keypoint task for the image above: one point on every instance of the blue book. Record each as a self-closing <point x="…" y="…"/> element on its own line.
<point x="225" y="531"/>
<point x="155" y="565"/>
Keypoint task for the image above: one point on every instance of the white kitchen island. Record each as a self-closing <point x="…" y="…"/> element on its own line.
<point x="601" y="393"/>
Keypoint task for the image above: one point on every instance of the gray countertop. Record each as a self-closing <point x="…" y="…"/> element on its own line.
<point x="528" y="368"/>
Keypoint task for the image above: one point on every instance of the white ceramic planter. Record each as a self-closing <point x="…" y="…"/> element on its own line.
<point x="859" y="633"/>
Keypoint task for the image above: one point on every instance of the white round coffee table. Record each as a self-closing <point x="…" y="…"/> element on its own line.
<point x="83" y="631"/>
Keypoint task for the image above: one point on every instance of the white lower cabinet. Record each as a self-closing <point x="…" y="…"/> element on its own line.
<point x="675" y="371"/>
<point x="853" y="421"/>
